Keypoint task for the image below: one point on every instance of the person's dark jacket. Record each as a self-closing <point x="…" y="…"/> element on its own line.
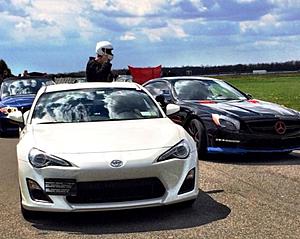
<point x="97" y="72"/>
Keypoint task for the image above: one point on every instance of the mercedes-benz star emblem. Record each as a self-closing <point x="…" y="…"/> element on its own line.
<point x="280" y="127"/>
<point x="116" y="163"/>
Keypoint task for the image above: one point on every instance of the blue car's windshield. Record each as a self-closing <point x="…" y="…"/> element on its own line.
<point x="23" y="86"/>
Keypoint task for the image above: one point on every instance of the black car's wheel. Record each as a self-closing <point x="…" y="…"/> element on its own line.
<point x="196" y="129"/>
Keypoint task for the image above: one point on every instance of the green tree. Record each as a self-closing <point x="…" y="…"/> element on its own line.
<point x="4" y="70"/>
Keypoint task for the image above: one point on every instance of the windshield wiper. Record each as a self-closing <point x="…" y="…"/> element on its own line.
<point x="225" y="98"/>
<point x="54" y="122"/>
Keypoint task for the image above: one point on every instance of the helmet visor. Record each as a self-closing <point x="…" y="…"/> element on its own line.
<point x="107" y="51"/>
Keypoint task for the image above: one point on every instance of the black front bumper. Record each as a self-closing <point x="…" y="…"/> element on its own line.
<point x="7" y="126"/>
<point x="241" y="142"/>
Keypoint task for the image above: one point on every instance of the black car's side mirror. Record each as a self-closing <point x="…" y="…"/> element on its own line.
<point x="249" y="96"/>
<point x="161" y="99"/>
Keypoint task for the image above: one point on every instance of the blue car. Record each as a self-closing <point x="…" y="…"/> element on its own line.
<point x="18" y="94"/>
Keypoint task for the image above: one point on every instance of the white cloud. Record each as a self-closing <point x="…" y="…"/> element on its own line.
<point x="245" y="1"/>
<point x="20" y="3"/>
<point x="268" y="19"/>
<point x="24" y="32"/>
<point x="130" y="21"/>
<point x="86" y="28"/>
<point x="134" y="8"/>
<point x="265" y="22"/>
<point x="285" y="3"/>
<point x="267" y="43"/>
<point x="53" y="25"/>
<point x="128" y="36"/>
<point x="61" y="12"/>
<point x="199" y="5"/>
<point x="49" y="20"/>
<point x="159" y="34"/>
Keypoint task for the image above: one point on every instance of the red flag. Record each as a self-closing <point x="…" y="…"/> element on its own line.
<point x="141" y="75"/>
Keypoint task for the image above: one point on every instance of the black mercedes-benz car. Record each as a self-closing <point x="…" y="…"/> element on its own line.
<point x="223" y="119"/>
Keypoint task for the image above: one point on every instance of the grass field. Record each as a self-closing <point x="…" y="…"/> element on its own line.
<point x="283" y="89"/>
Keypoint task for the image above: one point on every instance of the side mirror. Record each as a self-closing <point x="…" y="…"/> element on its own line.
<point x="249" y="96"/>
<point x="161" y="99"/>
<point x="16" y="117"/>
<point x="172" y="109"/>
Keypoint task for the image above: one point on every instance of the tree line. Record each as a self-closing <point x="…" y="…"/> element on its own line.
<point x="190" y="70"/>
<point x="224" y="69"/>
<point x="233" y="69"/>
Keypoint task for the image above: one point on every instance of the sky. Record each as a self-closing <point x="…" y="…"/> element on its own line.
<point x="58" y="36"/>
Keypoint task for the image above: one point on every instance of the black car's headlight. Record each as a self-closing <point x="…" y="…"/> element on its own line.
<point x="180" y="151"/>
<point x="226" y="122"/>
<point x="40" y="159"/>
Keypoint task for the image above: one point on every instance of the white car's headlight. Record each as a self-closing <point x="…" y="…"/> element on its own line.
<point x="40" y="159"/>
<point x="180" y="150"/>
<point x="226" y="122"/>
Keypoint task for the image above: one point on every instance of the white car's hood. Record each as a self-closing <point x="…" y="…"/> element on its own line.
<point x="97" y="137"/>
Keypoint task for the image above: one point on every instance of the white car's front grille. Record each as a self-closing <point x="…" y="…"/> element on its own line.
<point x="118" y="190"/>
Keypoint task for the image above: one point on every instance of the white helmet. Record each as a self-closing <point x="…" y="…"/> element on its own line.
<point x="104" y="48"/>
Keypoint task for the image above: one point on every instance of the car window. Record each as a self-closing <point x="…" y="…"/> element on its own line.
<point x="23" y="87"/>
<point x="205" y="90"/>
<point x="88" y="105"/>
<point x="159" y="88"/>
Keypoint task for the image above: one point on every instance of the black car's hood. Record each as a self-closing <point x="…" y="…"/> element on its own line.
<point x="18" y="101"/>
<point x="249" y="108"/>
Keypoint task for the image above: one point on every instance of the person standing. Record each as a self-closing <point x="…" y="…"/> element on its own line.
<point x="98" y="69"/>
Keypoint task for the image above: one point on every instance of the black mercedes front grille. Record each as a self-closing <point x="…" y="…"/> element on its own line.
<point x="117" y="191"/>
<point x="272" y="143"/>
<point x="268" y="126"/>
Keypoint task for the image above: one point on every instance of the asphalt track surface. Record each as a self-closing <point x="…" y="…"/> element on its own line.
<point x="240" y="197"/>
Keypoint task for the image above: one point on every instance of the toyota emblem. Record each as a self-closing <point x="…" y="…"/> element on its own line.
<point x="280" y="127"/>
<point x="116" y="163"/>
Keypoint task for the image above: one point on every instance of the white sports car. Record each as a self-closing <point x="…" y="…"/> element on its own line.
<point x="102" y="146"/>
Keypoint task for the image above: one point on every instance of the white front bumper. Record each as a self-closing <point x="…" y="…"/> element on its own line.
<point x="96" y="167"/>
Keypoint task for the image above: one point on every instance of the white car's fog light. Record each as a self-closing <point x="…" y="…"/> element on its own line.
<point x="180" y="150"/>
<point x="36" y="192"/>
<point x="189" y="182"/>
<point x="40" y="159"/>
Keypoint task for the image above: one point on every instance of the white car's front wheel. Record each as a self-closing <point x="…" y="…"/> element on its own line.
<point x="27" y="214"/>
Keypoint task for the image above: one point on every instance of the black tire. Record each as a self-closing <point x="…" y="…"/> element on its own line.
<point x="27" y="214"/>
<point x="196" y="129"/>
<point x="187" y="204"/>
<point x="2" y="134"/>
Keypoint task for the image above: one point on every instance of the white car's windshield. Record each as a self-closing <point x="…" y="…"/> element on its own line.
<point x="89" y="105"/>
<point x="206" y="90"/>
